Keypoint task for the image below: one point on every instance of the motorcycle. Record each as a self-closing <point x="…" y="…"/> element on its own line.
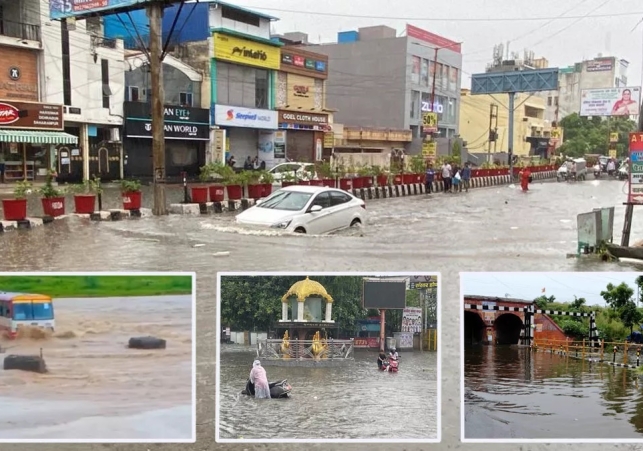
<point x="278" y="389"/>
<point x="391" y="366"/>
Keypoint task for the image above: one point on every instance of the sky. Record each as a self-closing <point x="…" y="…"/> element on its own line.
<point x="564" y="286"/>
<point x="564" y="32"/>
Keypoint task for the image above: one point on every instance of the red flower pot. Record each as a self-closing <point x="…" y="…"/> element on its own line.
<point x="14" y="209"/>
<point x="255" y="191"/>
<point x="346" y="184"/>
<point x="53" y="206"/>
<point x="285" y="184"/>
<point x="217" y="193"/>
<point x="409" y="179"/>
<point x="382" y="180"/>
<point x="474" y="172"/>
<point x="398" y="179"/>
<point x="303" y="182"/>
<point x="235" y="192"/>
<point x="358" y="182"/>
<point x="199" y="194"/>
<point x="316" y="183"/>
<point x="368" y="181"/>
<point x="267" y="190"/>
<point x="84" y="204"/>
<point x="132" y="200"/>
<point x="329" y="183"/>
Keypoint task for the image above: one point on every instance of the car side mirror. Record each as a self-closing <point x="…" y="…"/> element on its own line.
<point x="315" y="208"/>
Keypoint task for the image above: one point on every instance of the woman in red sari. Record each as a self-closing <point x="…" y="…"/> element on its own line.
<point x="525" y="174"/>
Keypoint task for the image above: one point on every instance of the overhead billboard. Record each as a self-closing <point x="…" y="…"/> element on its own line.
<point x="384" y="293"/>
<point x="635" y="191"/>
<point x="79" y="9"/>
<point x="610" y="101"/>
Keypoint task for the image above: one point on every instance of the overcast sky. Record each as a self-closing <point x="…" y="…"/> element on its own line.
<point x="562" y="33"/>
<point x="529" y="286"/>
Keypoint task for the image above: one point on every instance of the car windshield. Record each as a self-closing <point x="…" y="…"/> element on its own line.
<point x="37" y="311"/>
<point x="286" y="200"/>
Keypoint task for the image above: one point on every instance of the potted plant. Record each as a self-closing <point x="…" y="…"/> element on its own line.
<point x="417" y="166"/>
<point x="288" y="179"/>
<point x="253" y="181"/>
<point x="325" y="172"/>
<point x="364" y="177"/>
<point x="266" y="179"/>
<point x="85" y="195"/>
<point x="233" y="183"/>
<point x="219" y="172"/>
<point x="16" y="209"/>
<point x="131" y="194"/>
<point x="53" y="200"/>
<point x="381" y="177"/>
<point x="199" y="193"/>
<point x="346" y="177"/>
<point x="397" y="170"/>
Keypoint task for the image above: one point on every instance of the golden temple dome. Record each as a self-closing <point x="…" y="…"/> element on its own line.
<point x="305" y="289"/>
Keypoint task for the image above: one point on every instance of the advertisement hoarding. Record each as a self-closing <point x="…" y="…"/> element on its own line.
<point x="599" y="65"/>
<point x="635" y="191"/>
<point x="64" y="9"/>
<point x="182" y="123"/>
<point x="384" y="294"/>
<point x="610" y="101"/>
<point x="32" y="116"/>
<point x="367" y="342"/>
<point x="247" y="52"/>
<point x="234" y="116"/>
<point x="412" y="319"/>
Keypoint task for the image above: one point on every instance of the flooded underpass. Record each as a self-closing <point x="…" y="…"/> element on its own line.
<point x="494" y="229"/>
<point x="515" y="393"/>
<point x="347" y="400"/>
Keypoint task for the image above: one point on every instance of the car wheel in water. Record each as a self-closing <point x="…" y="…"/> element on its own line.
<point x="300" y="230"/>
<point x="356" y="222"/>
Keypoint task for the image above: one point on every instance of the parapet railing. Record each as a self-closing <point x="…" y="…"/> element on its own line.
<point x="605" y="351"/>
<point x="277" y="349"/>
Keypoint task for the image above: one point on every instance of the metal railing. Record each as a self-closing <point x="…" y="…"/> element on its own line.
<point x="277" y="349"/>
<point x="19" y="30"/>
<point x="618" y="352"/>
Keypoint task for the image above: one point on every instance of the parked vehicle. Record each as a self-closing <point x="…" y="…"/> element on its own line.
<point x="306" y="209"/>
<point x="293" y="170"/>
<point x="566" y="172"/>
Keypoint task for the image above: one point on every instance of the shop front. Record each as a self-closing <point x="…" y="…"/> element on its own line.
<point x="304" y="134"/>
<point x="250" y="133"/>
<point x="187" y="132"/>
<point x="32" y="140"/>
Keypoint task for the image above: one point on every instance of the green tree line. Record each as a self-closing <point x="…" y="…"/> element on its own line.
<point x="591" y="136"/>
<point x="614" y="322"/>
<point x="254" y="302"/>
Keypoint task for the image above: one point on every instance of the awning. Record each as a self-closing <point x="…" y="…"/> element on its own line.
<point x="36" y="137"/>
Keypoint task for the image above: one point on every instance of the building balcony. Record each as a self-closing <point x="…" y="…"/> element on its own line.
<point x="20" y="31"/>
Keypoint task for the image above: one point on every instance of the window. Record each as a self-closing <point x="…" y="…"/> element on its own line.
<point x="286" y="200"/>
<point x="323" y="200"/>
<point x="337" y="198"/>
<point x="107" y="92"/>
<point x="133" y="94"/>
<point x="261" y="88"/>
<point x="556" y="100"/>
<point x="549" y="101"/>
<point x="451" y="116"/>
<point x="185" y="98"/>
<point x="438" y="75"/>
<point x="239" y="16"/>
<point x="1" y="19"/>
<point x="415" y="70"/>
<point x="424" y="79"/>
<point x="415" y="104"/>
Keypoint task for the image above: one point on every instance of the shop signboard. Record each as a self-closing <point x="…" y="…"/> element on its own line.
<point x="65" y="9"/>
<point x="191" y="124"/>
<point x="32" y="116"/>
<point x="247" y="52"/>
<point x="233" y="116"/>
<point x="367" y="342"/>
<point x="635" y="192"/>
<point x="300" y="118"/>
<point x="429" y="122"/>
<point x="429" y="149"/>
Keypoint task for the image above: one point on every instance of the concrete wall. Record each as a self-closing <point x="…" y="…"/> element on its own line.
<point x="474" y="121"/>
<point x="367" y="82"/>
<point x="547" y="329"/>
<point x="86" y="79"/>
<point x="174" y="80"/>
<point x="216" y="21"/>
<point x="198" y="55"/>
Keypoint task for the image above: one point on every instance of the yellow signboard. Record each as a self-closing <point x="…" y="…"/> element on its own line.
<point x="429" y="149"/>
<point x="329" y="140"/>
<point x="613" y="138"/>
<point x="555" y="133"/>
<point x="244" y="51"/>
<point x="430" y="121"/>
<point x="301" y="92"/>
<point x="612" y="153"/>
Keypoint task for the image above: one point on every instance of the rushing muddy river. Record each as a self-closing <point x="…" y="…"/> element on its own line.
<point x="96" y="387"/>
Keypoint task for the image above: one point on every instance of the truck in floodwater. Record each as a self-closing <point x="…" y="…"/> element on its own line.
<point x="24" y="310"/>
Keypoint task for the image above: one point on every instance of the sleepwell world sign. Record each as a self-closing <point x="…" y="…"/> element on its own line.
<point x="234" y="116"/>
<point x="64" y="9"/>
<point x="192" y="124"/>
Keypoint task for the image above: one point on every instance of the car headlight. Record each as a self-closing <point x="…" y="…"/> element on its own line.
<point x="281" y="225"/>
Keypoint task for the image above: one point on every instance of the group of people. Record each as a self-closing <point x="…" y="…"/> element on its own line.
<point x="455" y="178"/>
<point x="382" y="358"/>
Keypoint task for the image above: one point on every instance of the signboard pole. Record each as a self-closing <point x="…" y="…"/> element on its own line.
<point x="155" y="15"/>
<point x="382" y="329"/>
<point x="510" y="152"/>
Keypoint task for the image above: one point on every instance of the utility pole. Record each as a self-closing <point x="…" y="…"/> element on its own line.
<point x="155" y="16"/>
<point x="493" y="131"/>
<point x="510" y="151"/>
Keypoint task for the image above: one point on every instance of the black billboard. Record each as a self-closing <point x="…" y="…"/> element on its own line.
<point x="384" y="294"/>
<point x="184" y="123"/>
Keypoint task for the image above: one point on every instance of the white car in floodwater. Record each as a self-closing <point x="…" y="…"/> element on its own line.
<point x="306" y="209"/>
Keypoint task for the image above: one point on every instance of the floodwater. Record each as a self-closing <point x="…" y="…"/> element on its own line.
<point x="96" y="387"/>
<point x="488" y="229"/>
<point x="513" y="393"/>
<point x="354" y="401"/>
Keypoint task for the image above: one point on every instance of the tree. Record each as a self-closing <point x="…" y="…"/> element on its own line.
<point x="631" y="316"/>
<point x="583" y="135"/>
<point x="542" y="301"/>
<point x="620" y="299"/>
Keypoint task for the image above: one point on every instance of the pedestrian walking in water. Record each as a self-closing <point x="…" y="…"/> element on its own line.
<point x="457" y="178"/>
<point x="429" y="177"/>
<point x="260" y="380"/>
<point x="446" y="176"/>
<point x="466" y="176"/>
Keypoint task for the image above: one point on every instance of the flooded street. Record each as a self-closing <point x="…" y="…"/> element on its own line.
<point x="493" y="229"/>
<point x="343" y="402"/>
<point x="512" y="393"/>
<point x="96" y="386"/>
